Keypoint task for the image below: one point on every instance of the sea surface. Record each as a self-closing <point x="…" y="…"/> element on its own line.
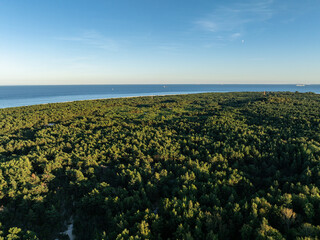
<point x="14" y="96"/>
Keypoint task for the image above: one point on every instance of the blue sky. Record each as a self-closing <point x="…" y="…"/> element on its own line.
<point x="159" y="41"/>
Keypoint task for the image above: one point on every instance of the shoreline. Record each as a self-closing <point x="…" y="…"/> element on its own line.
<point x="117" y="97"/>
<point x="136" y="96"/>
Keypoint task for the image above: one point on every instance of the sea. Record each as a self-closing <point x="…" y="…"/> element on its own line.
<point x="15" y="96"/>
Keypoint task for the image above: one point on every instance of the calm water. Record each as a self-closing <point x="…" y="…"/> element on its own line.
<point x="14" y="96"/>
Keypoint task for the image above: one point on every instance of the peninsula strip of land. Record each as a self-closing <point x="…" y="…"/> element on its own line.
<point x="201" y="166"/>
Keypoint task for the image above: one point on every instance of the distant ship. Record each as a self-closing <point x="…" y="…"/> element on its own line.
<point x="300" y="85"/>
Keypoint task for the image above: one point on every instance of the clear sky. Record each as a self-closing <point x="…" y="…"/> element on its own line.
<point x="159" y="41"/>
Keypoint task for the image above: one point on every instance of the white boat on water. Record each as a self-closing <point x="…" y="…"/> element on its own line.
<point x="300" y="85"/>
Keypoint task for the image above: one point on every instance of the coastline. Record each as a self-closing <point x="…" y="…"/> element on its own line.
<point x="22" y="96"/>
<point x="104" y="98"/>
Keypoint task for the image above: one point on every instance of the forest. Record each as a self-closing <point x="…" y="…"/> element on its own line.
<point x="199" y="166"/>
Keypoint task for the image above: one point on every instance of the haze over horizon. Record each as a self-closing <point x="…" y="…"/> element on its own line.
<point x="159" y="42"/>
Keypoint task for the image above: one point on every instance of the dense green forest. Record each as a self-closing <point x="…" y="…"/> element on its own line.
<point x="200" y="166"/>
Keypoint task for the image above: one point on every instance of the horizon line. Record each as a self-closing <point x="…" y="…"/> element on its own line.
<point x="161" y="84"/>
